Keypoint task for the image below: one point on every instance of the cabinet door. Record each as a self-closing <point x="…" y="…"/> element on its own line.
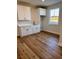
<point x="42" y="12"/>
<point x="36" y="29"/>
<point x="26" y="31"/>
<point x="27" y="13"/>
<point x="20" y="10"/>
<point x="24" y="12"/>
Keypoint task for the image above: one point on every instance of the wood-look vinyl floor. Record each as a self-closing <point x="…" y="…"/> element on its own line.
<point x="38" y="46"/>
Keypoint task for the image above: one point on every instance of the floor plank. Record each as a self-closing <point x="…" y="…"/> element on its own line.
<point x="38" y="46"/>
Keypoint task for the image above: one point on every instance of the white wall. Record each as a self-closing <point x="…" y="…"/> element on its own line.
<point x="53" y="28"/>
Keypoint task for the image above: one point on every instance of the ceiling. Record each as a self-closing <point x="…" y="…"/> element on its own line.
<point x="40" y="3"/>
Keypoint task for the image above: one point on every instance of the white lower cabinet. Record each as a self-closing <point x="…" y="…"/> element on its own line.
<point x="25" y="31"/>
<point x="36" y="29"/>
<point x="28" y="30"/>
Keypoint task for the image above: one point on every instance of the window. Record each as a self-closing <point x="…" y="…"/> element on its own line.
<point x="54" y="16"/>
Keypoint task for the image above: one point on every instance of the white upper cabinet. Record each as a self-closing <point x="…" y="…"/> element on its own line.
<point x="20" y="11"/>
<point x="27" y="13"/>
<point x="42" y="11"/>
<point x="24" y="12"/>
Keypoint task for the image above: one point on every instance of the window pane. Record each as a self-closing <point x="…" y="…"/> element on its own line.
<point x="56" y="12"/>
<point x="54" y="16"/>
<point x="52" y="13"/>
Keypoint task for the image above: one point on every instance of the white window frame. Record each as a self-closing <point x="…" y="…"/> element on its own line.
<point x="52" y="12"/>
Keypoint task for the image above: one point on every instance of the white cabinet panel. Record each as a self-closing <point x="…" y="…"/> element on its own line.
<point x="36" y="28"/>
<point x="42" y="11"/>
<point x="20" y="10"/>
<point x="27" y="13"/>
<point x="26" y="31"/>
<point x="24" y="12"/>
